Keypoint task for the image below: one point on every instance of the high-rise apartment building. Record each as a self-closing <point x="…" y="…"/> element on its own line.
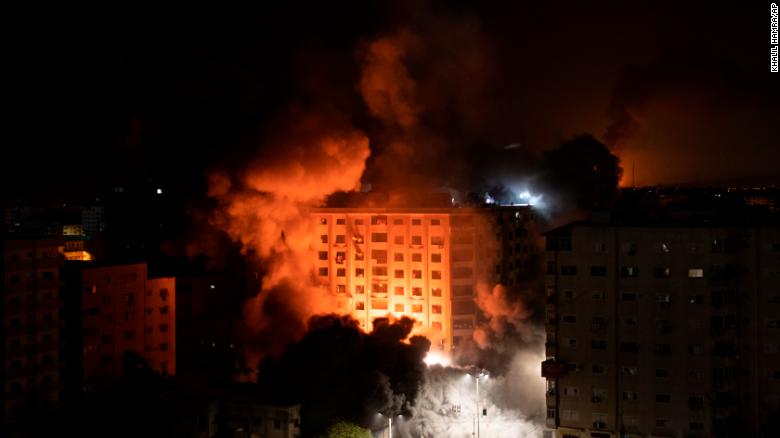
<point x="31" y="308"/>
<point x="421" y="262"/>
<point x="125" y="311"/>
<point x="662" y="329"/>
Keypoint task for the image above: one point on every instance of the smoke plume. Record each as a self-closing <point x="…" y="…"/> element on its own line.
<point x="306" y="157"/>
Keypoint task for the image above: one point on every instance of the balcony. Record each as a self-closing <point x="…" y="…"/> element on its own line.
<point x="552" y="369"/>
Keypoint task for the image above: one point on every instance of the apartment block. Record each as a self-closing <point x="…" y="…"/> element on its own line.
<point x="420" y="262"/>
<point x="31" y="309"/>
<point x="123" y="310"/>
<point x="662" y="329"/>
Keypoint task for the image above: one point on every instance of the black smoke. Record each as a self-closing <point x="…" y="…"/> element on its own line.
<point x="337" y="371"/>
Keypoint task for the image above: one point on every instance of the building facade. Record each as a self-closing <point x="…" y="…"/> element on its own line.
<point x="422" y="263"/>
<point x="125" y="311"/>
<point x="662" y="330"/>
<point x="31" y="309"/>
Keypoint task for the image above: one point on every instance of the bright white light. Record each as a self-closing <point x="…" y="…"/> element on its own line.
<point x="529" y="198"/>
<point x="159" y="191"/>
<point x="437" y="358"/>
<point x="489" y="199"/>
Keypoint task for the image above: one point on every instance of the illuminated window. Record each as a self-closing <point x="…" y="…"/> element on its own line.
<point x="399" y="290"/>
<point x="360" y="289"/>
<point x="399" y="307"/>
<point x="435" y="258"/>
<point x="360" y="305"/>
<point x="416" y="273"/>
<point x="417" y="308"/>
<point x="695" y="273"/>
<point x="436" y="325"/>
<point x="436" y="309"/>
<point x="341" y="288"/>
<point x="436" y="292"/>
<point x="399" y="273"/>
<point x="436" y="275"/>
<point x="379" y="220"/>
<point x="379" y="304"/>
<point x="360" y="272"/>
<point x="416" y="291"/>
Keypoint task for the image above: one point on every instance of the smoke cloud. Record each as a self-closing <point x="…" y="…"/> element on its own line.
<point x="307" y="156"/>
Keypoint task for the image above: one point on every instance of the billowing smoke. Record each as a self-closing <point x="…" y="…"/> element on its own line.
<point x="307" y="156"/>
<point x="337" y="371"/>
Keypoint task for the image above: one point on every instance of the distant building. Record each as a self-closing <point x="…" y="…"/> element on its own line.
<point x="244" y="416"/>
<point x="31" y="308"/>
<point x="662" y="329"/>
<point x="124" y="310"/>
<point x="421" y="262"/>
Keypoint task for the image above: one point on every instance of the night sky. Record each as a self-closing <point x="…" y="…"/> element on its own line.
<point x="682" y="92"/>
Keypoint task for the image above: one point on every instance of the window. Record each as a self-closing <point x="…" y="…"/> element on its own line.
<point x="379" y="271"/>
<point x="379" y="220"/>
<point x="630" y="248"/>
<point x="360" y="305"/>
<point x="630" y="395"/>
<point x="341" y="221"/>
<point x="416" y="221"/>
<point x="436" y="275"/>
<point x="571" y="391"/>
<point x="379" y="256"/>
<point x="435" y="222"/>
<point x="398" y="240"/>
<point x="358" y="221"/>
<point x="47" y="275"/>
<point x="661" y="373"/>
<point x="341" y="272"/>
<point x="341" y="288"/>
<point x="568" y="294"/>
<point x="570" y="319"/>
<point x="629" y="347"/>
<point x="662" y="272"/>
<point x="416" y="273"/>
<point x="379" y="304"/>
<point x="437" y="240"/>
<point x="417" y="257"/>
<point x="416" y="240"/>
<point x="551" y="413"/>
<point x="629" y="271"/>
<point x="360" y="272"/>
<point x="398" y="273"/>
<point x="436" y="292"/>
<point x="164" y="294"/>
<point x="462" y="272"/>
<point x="399" y="307"/>
<point x="340" y="239"/>
<point x="129" y="334"/>
<point x="695" y="273"/>
<point x="323" y="255"/>
<point x="569" y="414"/>
<point x="398" y="257"/>
<point x="164" y="346"/>
<point x="399" y="291"/>
<point x="662" y="349"/>
<point x="696" y="299"/>
<point x="324" y="238"/>
<point x="598" y="271"/>
<point x="663" y="398"/>
<point x="696" y="349"/>
<point x="568" y="270"/>
<point x="600" y="296"/>
<point x="323" y="221"/>
<point x="398" y="221"/>
<point x="436" y="309"/>
<point x="696" y="425"/>
<point x="435" y="258"/>
<point x="462" y="324"/>
<point x="379" y="237"/>
<point x="629" y="371"/>
<point x="597" y="369"/>
<point x="696" y="403"/>
<point x="436" y="325"/>
<point x="416" y="291"/>
<point x="417" y="308"/>
<point x="598" y="344"/>
<point x="629" y="296"/>
<point x="570" y="342"/>
<point x="163" y="328"/>
<point x="360" y="289"/>
<point x="163" y="310"/>
<point x="322" y="272"/>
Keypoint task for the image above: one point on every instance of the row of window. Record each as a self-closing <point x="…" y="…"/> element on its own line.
<point x="380" y="220"/>
<point x="436" y="309"/>
<point x="382" y="238"/>
<point x="460" y="272"/>
<point x="600" y="420"/>
<point x="382" y="288"/>
<point x="380" y="256"/>
<point x="625" y="271"/>
<point x="717" y="246"/>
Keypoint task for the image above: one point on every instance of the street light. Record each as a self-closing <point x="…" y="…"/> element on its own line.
<point x="389" y="423"/>
<point x="482" y="373"/>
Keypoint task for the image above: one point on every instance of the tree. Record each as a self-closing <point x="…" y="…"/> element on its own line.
<point x="344" y="429"/>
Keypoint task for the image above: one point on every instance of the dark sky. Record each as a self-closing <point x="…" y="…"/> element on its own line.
<point x="100" y="95"/>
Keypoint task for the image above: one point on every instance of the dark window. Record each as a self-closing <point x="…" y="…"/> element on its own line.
<point x="323" y="272"/>
<point x="379" y="256"/>
<point x="437" y="240"/>
<point x="380" y="271"/>
<point x="399" y="273"/>
<point x="435" y="222"/>
<point x="398" y="257"/>
<point x="568" y="270"/>
<point x="435" y="258"/>
<point x="662" y="272"/>
<point x="360" y="289"/>
<point x="341" y="272"/>
<point x="598" y="271"/>
<point x="164" y="346"/>
<point x="163" y="328"/>
<point x="341" y="221"/>
<point x="360" y="272"/>
<point x="462" y="272"/>
<point x="341" y="239"/>
<point x="164" y="294"/>
<point x="417" y="257"/>
<point x="663" y="398"/>
<point x="379" y="237"/>
<point x="416" y="240"/>
<point x="398" y="240"/>
<point x="360" y="305"/>
<point x="416" y="291"/>
<point x="324" y="238"/>
<point x="629" y="271"/>
<point x="436" y="275"/>
<point x="416" y="221"/>
<point x="436" y="292"/>
<point x="570" y="318"/>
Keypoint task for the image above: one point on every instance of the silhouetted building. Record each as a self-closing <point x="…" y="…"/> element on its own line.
<point x="663" y="329"/>
<point x="124" y="310"/>
<point x="31" y="308"/>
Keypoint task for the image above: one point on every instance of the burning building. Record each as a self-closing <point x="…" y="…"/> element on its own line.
<point x="424" y="263"/>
